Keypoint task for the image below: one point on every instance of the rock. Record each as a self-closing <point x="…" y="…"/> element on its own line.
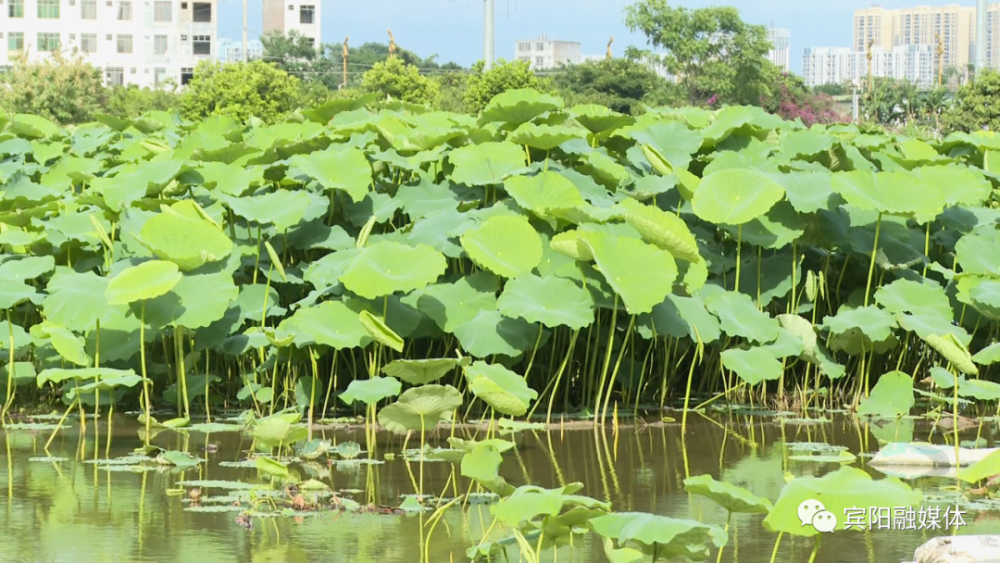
<point x="959" y="549"/>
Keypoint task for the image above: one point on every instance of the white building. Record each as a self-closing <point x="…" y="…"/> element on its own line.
<point x="839" y="65"/>
<point x="286" y="16"/>
<point x="781" y="54"/>
<point x="231" y="51"/>
<point x="545" y="54"/>
<point x="827" y="65"/>
<point x="145" y="43"/>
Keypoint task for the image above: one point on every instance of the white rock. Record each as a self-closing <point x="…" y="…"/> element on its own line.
<point x="959" y="549"/>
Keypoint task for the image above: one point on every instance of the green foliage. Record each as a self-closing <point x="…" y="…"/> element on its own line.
<point x="63" y="88"/>
<point x="622" y="84"/>
<point x="483" y="85"/>
<point x="397" y="80"/>
<point x="240" y="90"/>
<point x="974" y="108"/>
<point x="132" y="102"/>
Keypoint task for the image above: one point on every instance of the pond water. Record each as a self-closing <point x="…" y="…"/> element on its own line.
<point x="81" y="512"/>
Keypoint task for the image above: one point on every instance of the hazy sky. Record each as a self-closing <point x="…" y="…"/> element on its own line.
<point x="453" y="28"/>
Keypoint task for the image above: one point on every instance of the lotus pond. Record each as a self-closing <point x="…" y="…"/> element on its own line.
<point x="415" y="271"/>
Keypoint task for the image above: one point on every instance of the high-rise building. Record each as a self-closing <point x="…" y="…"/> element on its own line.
<point x="145" y="43"/>
<point x="839" y="65"/>
<point x="827" y="65"/>
<point x="286" y="16"/>
<point x="780" y="55"/>
<point x="231" y="51"/>
<point x="544" y="53"/>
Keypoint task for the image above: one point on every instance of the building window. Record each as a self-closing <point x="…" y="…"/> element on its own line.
<point x="539" y="46"/>
<point x="48" y="42"/>
<point x="124" y="43"/>
<point x="186" y="75"/>
<point x="524" y="46"/>
<point x="202" y="12"/>
<point x="15" y="41"/>
<point x="161" y="12"/>
<point x="114" y="76"/>
<point x="159" y="76"/>
<point x="160" y="44"/>
<point x="88" y="10"/>
<point x="48" y="9"/>
<point x="125" y="11"/>
<point x="539" y="61"/>
<point x="15" y="9"/>
<point x="88" y="42"/>
<point x="307" y="14"/>
<point x="202" y="45"/>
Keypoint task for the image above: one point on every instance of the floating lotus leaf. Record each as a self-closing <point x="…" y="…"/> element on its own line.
<point x="331" y="323"/>
<point x="518" y="106"/>
<point x="178" y="459"/>
<point x="891" y="397"/>
<point x="734" y="499"/>
<point x="837" y="491"/>
<point x="371" y="391"/>
<point x="735" y="196"/>
<point x="381" y="332"/>
<point x="740" y="317"/>
<point x="628" y="264"/>
<point x="344" y="169"/>
<point x="806" y="143"/>
<point x="187" y="242"/>
<point x="753" y="365"/>
<point x="145" y="281"/>
<point x="421" y="372"/>
<point x="387" y="267"/>
<point x="507" y="246"/>
<point x="661" y="535"/>
<point x="503" y="390"/>
<point x="420" y="409"/>
<point x="660" y="228"/>
<point x="486" y="164"/>
<point x="544" y="137"/>
<point x="548" y="300"/>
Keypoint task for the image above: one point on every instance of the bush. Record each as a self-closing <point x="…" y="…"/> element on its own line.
<point x="241" y="90"/>
<point x="792" y="100"/>
<point x="132" y="101"/>
<point x="484" y="85"/>
<point x="397" y="80"/>
<point x="975" y="105"/>
<point x="621" y="84"/>
<point x="63" y="88"/>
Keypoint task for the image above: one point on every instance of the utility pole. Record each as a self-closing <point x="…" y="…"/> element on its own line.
<point x="940" y="59"/>
<point x="980" y="35"/>
<point x="488" y="33"/>
<point x="246" y="52"/>
<point x="344" y="83"/>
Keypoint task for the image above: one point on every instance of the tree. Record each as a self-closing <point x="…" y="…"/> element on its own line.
<point x="62" y="88"/>
<point x="975" y="106"/>
<point x="241" y="90"/>
<point x="714" y="52"/>
<point x="622" y="84"/>
<point x="294" y="53"/>
<point x="131" y="101"/>
<point x="484" y="85"/>
<point x="398" y="80"/>
<point x="791" y="99"/>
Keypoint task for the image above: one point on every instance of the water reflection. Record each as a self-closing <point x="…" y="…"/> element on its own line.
<point x="76" y="510"/>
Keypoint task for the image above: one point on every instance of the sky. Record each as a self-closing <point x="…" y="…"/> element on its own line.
<point x="453" y="29"/>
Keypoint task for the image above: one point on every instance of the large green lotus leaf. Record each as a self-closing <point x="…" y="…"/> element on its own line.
<point x="680" y="316"/>
<point x="671" y="139"/>
<point x="803" y="330"/>
<point x="185" y="241"/>
<point x="146" y="281"/>
<point x="657" y="227"/>
<point x="482" y="465"/>
<point x="788" y="344"/>
<point x="24" y="373"/>
<point x="980" y="389"/>
<point x="371" y="391"/>
<point x="735" y="196"/>
<point x="929" y="324"/>
<point x="548" y="300"/>
<point x="838" y="491"/>
<point x="69" y="346"/>
<point x="891" y="397"/>
<point x="873" y="322"/>
<point x="451" y="305"/>
<point x="958" y="184"/>
<point x="808" y="192"/>
<point x="518" y="106"/>
<point x="528" y="501"/>
<point x="982" y="469"/>
<point x="344" y="169"/>
<point x="486" y="164"/>
<point x="380" y="331"/>
<point x="331" y="323"/>
<point x="503" y="390"/>
<point x="544" y="137"/>
<point x="505" y="245"/>
<point x="26" y="268"/>
<point x="422" y="372"/>
<point x="606" y="170"/>
<point x="907" y="296"/>
<point x="33" y="126"/>
<point x="420" y="409"/>
<point x="641" y="274"/>
<point x="988" y="355"/>
<point x="740" y="317"/>
<point x="734" y="499"/>
<point x="15" y="292"/>
<point x="599" y="119"/>
<point x="753" y="365"/>
<point x="489" y="333"/>
<point x="195" y="302"/>
<point x="986" y="298"/>
<point x="327" y="111"/>
<point x="668" y="538"/>
<point x="954" y="351"/>
<point x="127" y="378"/>
<point x="326" y="271"/>
<point x="777" y="228"/>
<point x="808" y="142"/>
<point x="888" y="192"/>
<point x="284" y="208"/>
<point x="60" y="375"/>
<point x="387" y="267"/>
<point x="545" y="192"/>
<point x="979" y="253"/>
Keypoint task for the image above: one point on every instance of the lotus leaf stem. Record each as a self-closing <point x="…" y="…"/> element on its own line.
<point x="871" y="266"/>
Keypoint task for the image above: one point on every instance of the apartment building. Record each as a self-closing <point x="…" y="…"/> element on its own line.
<point x="781" y="54"/>
<point x="840" y="65"/>
<point x="827" y="65"/>
<point x="145" y="43"/>
<point x="286" y="16"/>
<point x="545" y="54"/>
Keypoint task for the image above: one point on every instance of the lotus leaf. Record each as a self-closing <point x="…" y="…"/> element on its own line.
<point x="753" y="365"/>
<point x="518" y="106"/>
<point x="734" y="499"/>
<point x="739" y="317"/>
<point x="661" y="535"/>
<point x="548" y="300"/>
<point x="486" y="163"/>
<point x="146" y="281"/>
<point x="506" y="246"/>
<point x="421" y="408"/>
<point x="387" y="267"/>
<point x="378" y="330"/>
<point x="371" y="391"/>
<point x="331" y="323"/>
<point x="982" y="469"/>
<point x="891" y="397"/>
<point x="187" y="242"/>
<point x="345" y="169"/>
<point x="421" y="372"/>
<point x="503" y="390"/>
<point x="735" y="196"/>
